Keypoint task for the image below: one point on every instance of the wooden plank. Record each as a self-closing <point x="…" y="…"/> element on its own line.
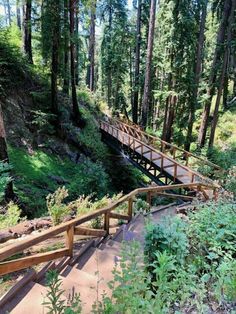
<point x="90" y="232"/>
<point x="169" y="166"/>
<point x="119" y="216"/>
<point x="183" y="197"/>
<point x="10" y="294"/>
<point x="28" y="261"/>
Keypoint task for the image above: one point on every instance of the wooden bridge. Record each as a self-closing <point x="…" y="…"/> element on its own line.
<point x="163" y="162"/>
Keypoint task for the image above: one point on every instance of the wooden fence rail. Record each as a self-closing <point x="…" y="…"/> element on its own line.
<point x="73" y="227"/>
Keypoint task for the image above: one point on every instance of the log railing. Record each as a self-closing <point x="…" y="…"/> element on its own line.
<point x="73" y="227"/>
<point x="174" y="151"/>
<point x="134" y="142"/>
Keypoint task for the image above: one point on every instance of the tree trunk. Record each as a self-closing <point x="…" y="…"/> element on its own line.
<point x="9" y="12"/>
<point x="198" y="71"/>
<point x="146" y="93"/>
<point x="76" y="113"/>
<point x="66" y="48"/>
<point x="213" y="74"/>
<point x="137" y="64"/>
<point x="91" y="55"/>
<point x="55" y="60"/>
<point x="76" y="36"/>
<point x="223" y="72"/>
<point x="27" y="30"/>
<point x="109" y="75"/>
<point x="9" y="193"/>
<point x="18" y="14"/>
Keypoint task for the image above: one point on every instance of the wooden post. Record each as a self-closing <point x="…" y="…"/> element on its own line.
<point x="149" y="198"/>
<point x="174" y="152"/>
<point x="162" y="162"/>
<point x="187" y="156"/>
<point x="70" y="240"/>
<point x="175" y="172"/>
<point x="130" y="208"/>
<point x="107" y="222"/>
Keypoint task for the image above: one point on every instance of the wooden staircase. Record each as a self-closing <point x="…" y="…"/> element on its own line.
<point x="88" y="276"/>
<point x="82" y="270"/>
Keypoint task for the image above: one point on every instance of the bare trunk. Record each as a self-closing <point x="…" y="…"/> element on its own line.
<point x="77" y="44"/>
<point x="213" y="74"/>
<point x="137" y="64"/>
<point x="9" y="12"/>
<point x="91" y="55"/>
<point x="55" y="61"/>
<point x="223" y="73"/>
<point x="18" y="14"/>
<point x="27" y="30"/>
<point x="109" y="75"/>
<point x="76" y="113"/>
<point x="66" y="48"/>
<point x="147" y="83"/>
<point x="198" y="71"/>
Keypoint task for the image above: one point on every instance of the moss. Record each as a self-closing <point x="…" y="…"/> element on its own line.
<point x="33" y="178"/>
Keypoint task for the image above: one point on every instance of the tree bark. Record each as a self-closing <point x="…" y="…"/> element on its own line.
<point x="146" y="93"/>
<point x="66" y="48"/>
<point x="9" y="193"/>
<point x="109" y="74"/>
<point x="76" y="113"/>
<point x="55" y="60"/>
<point x="198" y="71"/>
<point x="91" y="54"/>
<point x="18" y="14"/>
<point x="27" y="30"/>
<point x="213" y="74"/>
<point x="223" y="72"/>
<point x="137" y="64"/>
<point x="9" y="12"/>
<point x="76" y="36"/>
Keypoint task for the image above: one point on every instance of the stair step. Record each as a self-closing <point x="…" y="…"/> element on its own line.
<point x="111" y="247"/>
<point x="87" y="286"/>
<point x="100" y="263"/>
<point x="29" y="300"/>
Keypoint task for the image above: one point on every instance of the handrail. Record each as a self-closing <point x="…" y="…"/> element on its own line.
<point x="70" y="227"/>
<point x="189" y="170"/>
<point x="187" y="154"/>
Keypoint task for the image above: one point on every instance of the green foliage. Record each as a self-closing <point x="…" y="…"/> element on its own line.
<point x="211" y="232"/>
<point x="11" y="216"/>
<point x="57" y="210"/>
<point x="90" y="137"/>
<point x="34" y="178"/>
<point x="141" y="206"/>
<point x="55" y="302"/>
<point x="167" y="236"/>
<point x="4" y="177"/>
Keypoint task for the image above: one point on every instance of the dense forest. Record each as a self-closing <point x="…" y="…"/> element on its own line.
<point x="167" y="67"/>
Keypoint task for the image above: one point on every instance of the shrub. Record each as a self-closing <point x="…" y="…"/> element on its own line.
<point x="58" y="210"/>
<point x="4" y="178"/>
<point x="11" y="217"/>
<point x="141" y="206"/>
<point x="168" y="235"/>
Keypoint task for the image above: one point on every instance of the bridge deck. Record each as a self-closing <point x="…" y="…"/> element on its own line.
<point x="156" y="159"/>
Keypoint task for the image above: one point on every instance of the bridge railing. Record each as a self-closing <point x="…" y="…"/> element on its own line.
<point x="131" y="140"/>
<point x="177" y="153"/>
<point x="74" y="227"/>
